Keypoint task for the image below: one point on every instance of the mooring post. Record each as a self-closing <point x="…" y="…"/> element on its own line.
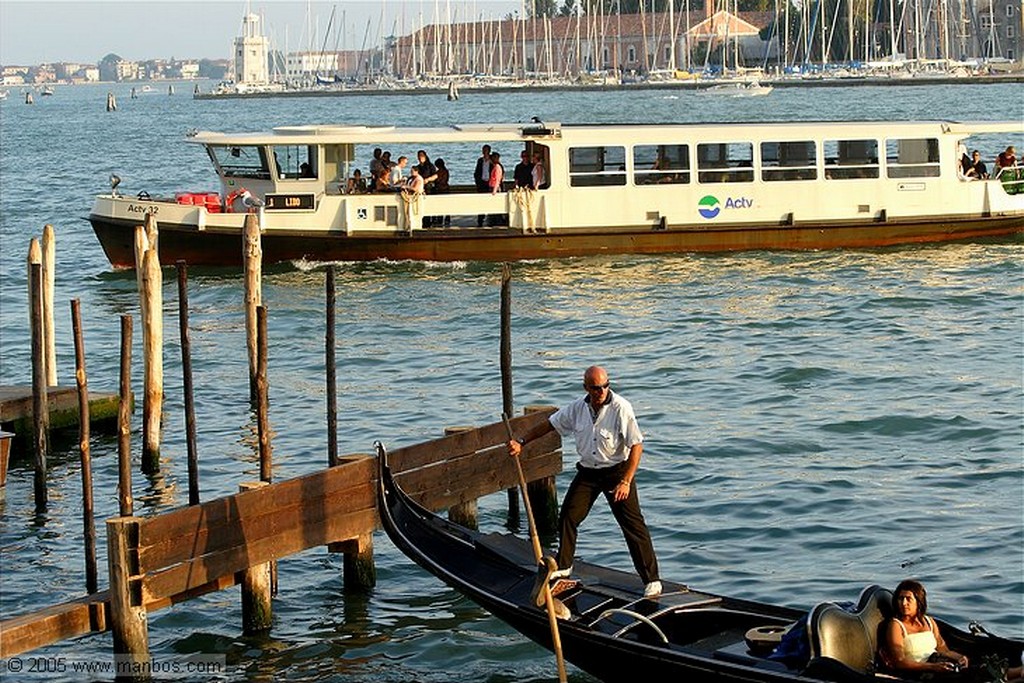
<point x="257" y="605"/>
<point x="186" y="383"/>
<point x="262" y="398"/>
<point x="151" y="304"/>
<point x="49" y="273"/>
<point x="85" y="455"/>
<point x="252" y="259"/>
<point x="40" y="403"/>
<point x="543" y="493"/>
<point x="332" y="377"/>
<point x="128" y="622"/>
<point x="506" y="372"/>
<point x="124" y="427"/>
<point x="465" y="513"/>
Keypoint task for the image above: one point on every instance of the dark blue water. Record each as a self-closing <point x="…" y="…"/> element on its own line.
<point x="815" y="422"/>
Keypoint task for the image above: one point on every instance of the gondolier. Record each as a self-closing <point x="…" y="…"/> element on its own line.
<point x="609" y="443"/>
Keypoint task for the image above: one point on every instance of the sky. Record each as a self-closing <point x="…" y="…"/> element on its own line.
<point x="38" y="31"/>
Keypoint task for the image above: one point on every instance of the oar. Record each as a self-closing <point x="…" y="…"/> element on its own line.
<point x="549" y="601"/>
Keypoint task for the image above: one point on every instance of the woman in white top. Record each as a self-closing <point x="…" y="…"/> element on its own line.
<point x="911" y="639"/>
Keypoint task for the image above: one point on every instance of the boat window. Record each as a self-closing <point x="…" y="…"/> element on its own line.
<point x="590" y="166"/>
<point x="669" y="164"/>
<point x="725" y="162"/>
<point x="912" y="158"/>
<point x="295" y="161"/>
<point x="240" y="161"/>
<point x="850" y="159"/>
<point x="788" y="161"/>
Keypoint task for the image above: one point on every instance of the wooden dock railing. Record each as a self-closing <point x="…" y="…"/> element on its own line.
<point x="157" y="561"/>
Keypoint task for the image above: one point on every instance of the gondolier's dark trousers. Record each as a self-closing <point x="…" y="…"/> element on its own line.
<point x="583" y="491"/>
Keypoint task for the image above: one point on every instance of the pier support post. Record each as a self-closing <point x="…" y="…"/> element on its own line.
<point x="150" y="278"/>
<point x="359" y="571"/>
<point x="257" y="605"/>
<point x="465" y="513"/>
<point x="40" y="404"/>
<point x="49" y="272"/>
<point x="506" y="372"/>
<point x="543" y="493"/>
<point x="128" y="622"/>
<point x="85" y="455"/>
<point x="332" y="375"/>
<point x="252" y="260"/>
<point x="186" y="384"/>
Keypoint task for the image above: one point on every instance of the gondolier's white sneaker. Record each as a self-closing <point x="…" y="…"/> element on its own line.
<point x="561" y="573"/>
<point x="653" y="589"/>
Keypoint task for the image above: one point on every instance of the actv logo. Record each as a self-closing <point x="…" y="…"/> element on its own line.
<point x="709" y="207"/>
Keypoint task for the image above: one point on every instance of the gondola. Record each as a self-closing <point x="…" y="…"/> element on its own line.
<point x="616" y="634"/>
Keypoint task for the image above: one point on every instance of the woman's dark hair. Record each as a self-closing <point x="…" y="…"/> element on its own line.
<point x="439" y="163"/>
<point x="915" y="588"/>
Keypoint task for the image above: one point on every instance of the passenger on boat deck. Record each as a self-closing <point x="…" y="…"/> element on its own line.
<point x="305" y="170"/>
<point x="497" y="173"/>
<point x="523" y="172"/>
<point x="426" y="168"/>
<point x="441" y="178"/>
<point x="609" y="443"/>
<point x="976" y="170"/>
<point x="375" y="162"/>
<point x="414" y="183"/>
<point x="538" y="171"/>
<point x="397" y="177"/>
<point x="910" y="641"/>
<point x="356" y="184"/>
<point x="382" y="180"/>
<point x="1007" y="158"/>
<point x="482" y="176"/>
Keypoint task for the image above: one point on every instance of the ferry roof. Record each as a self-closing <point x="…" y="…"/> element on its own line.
<point x="321" y="134"/>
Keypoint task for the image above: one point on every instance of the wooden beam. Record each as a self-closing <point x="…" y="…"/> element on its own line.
<point x="87" y="614"/>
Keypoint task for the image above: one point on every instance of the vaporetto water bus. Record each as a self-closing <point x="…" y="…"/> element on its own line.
<point x="644" y="189"/>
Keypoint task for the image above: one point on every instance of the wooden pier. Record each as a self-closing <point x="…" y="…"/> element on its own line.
<point x="16" y="409"/>
<point x="161" y="560"/>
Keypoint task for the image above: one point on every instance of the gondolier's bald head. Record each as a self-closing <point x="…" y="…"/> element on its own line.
<point x="595" y="381"/>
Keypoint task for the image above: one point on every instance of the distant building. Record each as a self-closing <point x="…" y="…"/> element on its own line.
<point x="249" y="65"/>
<point x="1002" y="25"/>
<point x="306" y="66"/>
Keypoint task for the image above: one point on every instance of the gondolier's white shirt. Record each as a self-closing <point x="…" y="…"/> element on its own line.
<point x="602" y="442"/>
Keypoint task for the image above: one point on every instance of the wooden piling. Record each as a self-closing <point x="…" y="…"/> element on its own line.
<point x="252" y="261"/>
<point x="49" y="271"/>
<point x="186" y="382"/>
<point x="124" y="427"/>
<point x="465" y="513"/>
<point x="359" y="571"/>
<point x="84" y="452"/>
<point x="257" y="605"/>
<point x="506" y="372"/>
<point x="151" y="303"/>
<point x="262" y="400"/>
<point x="128" y="622"/>
<point x="332" y="377"/>
<point x="40" y="406"/>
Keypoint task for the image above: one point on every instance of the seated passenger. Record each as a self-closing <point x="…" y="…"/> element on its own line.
<point x="305" y="170"/>
<point x="356" y="184"/>
<point x="910" y="642"/>
<point x="976" y="169"/>
<point x="1007" y="158"/>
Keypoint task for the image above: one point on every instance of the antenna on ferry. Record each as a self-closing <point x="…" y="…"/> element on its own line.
<point x="115" y="180"/>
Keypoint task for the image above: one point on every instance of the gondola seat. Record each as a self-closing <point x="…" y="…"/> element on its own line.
<point x="843" y="644"/>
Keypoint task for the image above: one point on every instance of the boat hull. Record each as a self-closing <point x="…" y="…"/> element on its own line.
<point x="186" y="242"/>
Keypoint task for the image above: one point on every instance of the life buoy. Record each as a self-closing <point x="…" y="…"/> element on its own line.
<point x="229" y="201"/>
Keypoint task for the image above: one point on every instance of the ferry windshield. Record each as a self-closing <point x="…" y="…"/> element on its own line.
<point x="240" y="161"/>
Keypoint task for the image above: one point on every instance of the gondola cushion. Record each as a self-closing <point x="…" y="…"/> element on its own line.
<point x="850" y="638"/>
